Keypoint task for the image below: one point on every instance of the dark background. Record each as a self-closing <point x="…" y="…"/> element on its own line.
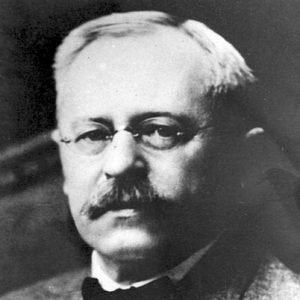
<point x="35" y="241"/>
<point x="266" y="32"/>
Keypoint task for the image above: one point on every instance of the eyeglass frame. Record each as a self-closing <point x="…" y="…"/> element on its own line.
<point x="66" y="141"/>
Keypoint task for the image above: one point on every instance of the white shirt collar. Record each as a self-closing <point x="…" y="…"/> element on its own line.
<point x="175" y="274"/>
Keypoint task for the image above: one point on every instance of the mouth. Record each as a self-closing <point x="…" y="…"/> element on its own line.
<point x="126" y="213"/>
<point x="126" y="210"/>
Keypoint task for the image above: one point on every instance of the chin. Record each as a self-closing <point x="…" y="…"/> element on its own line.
<point x="129" y="244"/>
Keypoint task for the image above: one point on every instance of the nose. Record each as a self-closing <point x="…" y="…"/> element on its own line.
<point x="122" y="156"/>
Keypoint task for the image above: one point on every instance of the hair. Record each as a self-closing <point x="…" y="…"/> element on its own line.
<point x="228" y="67"/>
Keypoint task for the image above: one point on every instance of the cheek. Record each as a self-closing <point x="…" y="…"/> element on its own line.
<point x="180" y="172"/>
<point x="79" y="179"/>
<point x="79" y="171"/>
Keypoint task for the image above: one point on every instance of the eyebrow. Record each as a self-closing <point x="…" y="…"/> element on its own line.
<point x="183" y="118"/>
<point x="101" y="120"/>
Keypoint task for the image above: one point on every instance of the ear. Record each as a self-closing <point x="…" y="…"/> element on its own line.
<point x="55" y="136"/>
<point x="65" y="187"/>
<point x="271" y="183"/>
<point x="262" y="153"/>
<point x="254" y="132"/>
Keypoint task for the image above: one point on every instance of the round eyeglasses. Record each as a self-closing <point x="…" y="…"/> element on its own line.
<point x="159" y="133"/>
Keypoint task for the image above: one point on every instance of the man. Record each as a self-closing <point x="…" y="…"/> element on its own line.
<point x="149" y="140"/>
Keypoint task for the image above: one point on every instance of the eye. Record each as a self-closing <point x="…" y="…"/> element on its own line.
<point x="93" y="142"/>
<point x="160" y="130"/>
<point x="94" y="136"/>
<point x="167" y="131"/>
<point x="160" y="133"/>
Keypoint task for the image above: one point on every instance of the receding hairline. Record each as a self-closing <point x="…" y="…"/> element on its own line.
<point x="115" y="26"/>
<point x="228" y="66"/>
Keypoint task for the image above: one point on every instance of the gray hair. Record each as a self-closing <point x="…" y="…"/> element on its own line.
<point x="228" y="68"/>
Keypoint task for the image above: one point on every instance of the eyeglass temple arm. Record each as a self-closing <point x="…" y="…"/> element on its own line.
<point x="56" y="137"/>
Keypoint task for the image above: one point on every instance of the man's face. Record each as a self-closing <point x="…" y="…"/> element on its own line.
<point x="118" y="83"/>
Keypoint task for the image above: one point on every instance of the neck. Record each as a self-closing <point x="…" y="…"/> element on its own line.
<point x="126" y="272"/>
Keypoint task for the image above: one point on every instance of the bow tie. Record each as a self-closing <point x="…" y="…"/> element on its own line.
<point x="161" y="289"/>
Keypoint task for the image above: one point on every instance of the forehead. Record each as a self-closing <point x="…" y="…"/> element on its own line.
<point x="115" y="77"/>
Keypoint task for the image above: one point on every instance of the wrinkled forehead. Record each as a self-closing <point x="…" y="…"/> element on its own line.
<point x="158" y="42"/>
<point x="166" y="46"/>
<point x="115" y="25"/>
<point x="161" y="69"/>
<point x="132" y="60"/>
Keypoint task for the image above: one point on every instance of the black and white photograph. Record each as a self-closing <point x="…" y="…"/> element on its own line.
<point x="150" y="150"/>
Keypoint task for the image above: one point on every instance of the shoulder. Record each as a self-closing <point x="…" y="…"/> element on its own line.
<point x="65" y="286"/>
<point x="275" y="282"/>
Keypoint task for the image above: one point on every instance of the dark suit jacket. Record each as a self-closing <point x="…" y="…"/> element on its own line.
<point x="268" y="280"/>
<point x="36" y="248"/>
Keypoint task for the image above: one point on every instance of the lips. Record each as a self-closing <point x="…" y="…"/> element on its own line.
<point x="127" y="213"/>
<point x="131" y="208"/>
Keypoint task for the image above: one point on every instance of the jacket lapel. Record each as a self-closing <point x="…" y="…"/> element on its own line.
<point x="66" y="286"/>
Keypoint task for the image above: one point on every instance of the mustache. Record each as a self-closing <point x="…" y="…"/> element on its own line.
<point x="117" y="194"/>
